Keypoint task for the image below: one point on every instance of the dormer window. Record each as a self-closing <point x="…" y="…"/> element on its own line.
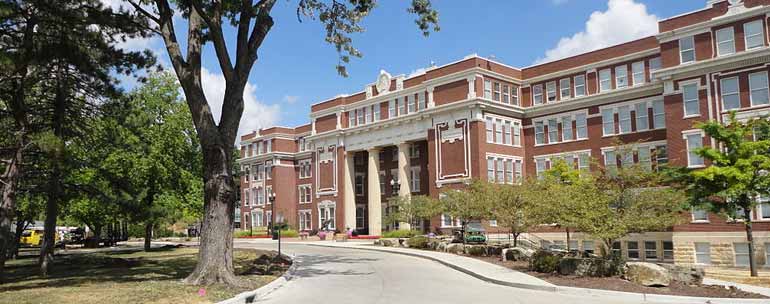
<point x="687" y="49"/>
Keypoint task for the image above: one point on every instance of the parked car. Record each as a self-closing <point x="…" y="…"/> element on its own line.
<point x="34" y="237"/>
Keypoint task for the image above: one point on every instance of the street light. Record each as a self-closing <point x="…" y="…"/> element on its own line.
<point x="394" y="186"/>
<point x="271" y="198"/>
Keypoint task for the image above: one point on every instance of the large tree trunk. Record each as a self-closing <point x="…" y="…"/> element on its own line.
<point x="8" y="205"/>
<point x="567" y="229"/>
<point x="750" y="239"/>
<point x="147" y="236"/>
<point x="13" y="251"/>
<point x="215" y="256"/>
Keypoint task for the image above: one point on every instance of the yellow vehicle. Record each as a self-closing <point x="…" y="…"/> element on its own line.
<point x="34" y="237"/>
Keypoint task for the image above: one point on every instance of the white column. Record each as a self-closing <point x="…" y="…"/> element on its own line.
<point x="430" y="98"/>
<point x="373" y="192"/>
<point x="349" y="199"/>
<point x="471" y="87"/>
<point x="403" y="177"/>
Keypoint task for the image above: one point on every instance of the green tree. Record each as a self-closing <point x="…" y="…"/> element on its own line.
<point x="471" y="204"/>
<point x="412" y="210"/>
<point x="513" y="208"/>
<point x="737" y="175"/>
<point x="558" y="207"/>
<point x="253" y="21"/>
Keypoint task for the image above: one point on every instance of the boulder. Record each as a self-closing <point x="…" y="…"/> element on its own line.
<point x="586" y="267"/>
<point x="476" y="250"/>
<point x="441" y="246"/>
<point x="377" y="242"/>
<point x="387" y="243"/>
<point x="494" y="250"/>
<point x="684" y="274"/>
<point x="517" y="254"/>
<point x="455" y="248"/>
<point x="647" y="274"/>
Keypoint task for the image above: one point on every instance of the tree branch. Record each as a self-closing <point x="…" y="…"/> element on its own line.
<point x="214" y="23"/>
<point x="144" y="12"/>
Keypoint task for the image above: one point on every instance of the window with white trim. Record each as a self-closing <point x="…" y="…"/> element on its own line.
<point x="691" y="100"/>
<point x="448" y="221"/>
<point x="375" y="112"/>
<point x="401" y="106"/>
<point x="500" y="169"/>
<point x="256" y="218"/>
<point x="506" y="94"/>
<point x="626" y="159"/>
<point x="351" y="119"/>
<point x="414" y="179"/>
<point x="246" y="199"/>
<point x="741" y="254"/>
<point x="359" y="184"/>
<point x="260" y="172"/>
<point x="550" y="91"/>
<point x="624" y="119"/>
<point x="687" y="49"/>
<point x="503" y="131"/>
<point x="496" y="91"/>
<point x="566" y="128"/>
<point x="725" y="41"/>
<point x="610" y="161"/>
<point x="668" y="250"/>
<point x="421" y="101"/>
<point x="605" y="80"/>
<point x="655" y="65"/>
<point x="694" y="142"/>
<point x="269" y="146"/>
<point x="759" y="88"/>
<point x="621" y="76"/>
<point x="259" y="148"/>
<point x="580" y="85"/>
<point x="645" y="157"/>
<point x="565" y="88"/>
<point x="608" y="121"/>
<point x="583" y="161"/>
<point x="581" y="125"/>
<point x="539" y="133"/>
<point x="503" y="170"/>
<point x="763" y="204"/>
<point x="361" y="115"/>
<point x="414" y="151"/>
<point x="514" y="95"/>
<point x="260" y="196"/>
<point x="730" y="95"/>
<point x="537" y="94"/>
<point x="642" y="118"/>
<point x="490" y="169"/>
<point x="699" y="215"/>
<point x="412" y="103"/>
<point x="637" y="72"/>
<point x="658" y="114"/>
<point x="269" y="170"/>
<point x="391" y="108"/>
<point x="650" y="250"/>
<point x="632" y="250"/>
<point x="553" y="130"/>
<point x="305" y="193"/>
<point x="540" y="167"/>
<point x="327" y="213"/>
<point x="703" y="253"/>
<point x="753" y="34"/>
<point x="305" y="220"/>
<point x="305" y="168"/>
<point x="487" y="89"/>
<point x="588" y="247"/>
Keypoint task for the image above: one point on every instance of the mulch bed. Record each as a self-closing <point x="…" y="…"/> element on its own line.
<point x="618" y="284"/>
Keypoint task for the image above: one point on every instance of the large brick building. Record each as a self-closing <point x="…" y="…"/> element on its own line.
<point x="477" y="118"/>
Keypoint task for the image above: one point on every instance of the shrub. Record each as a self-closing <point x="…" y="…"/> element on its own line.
<point x="400" y="234"/>
<point x="476" y="250"/>
<point x="419" y="242"/>
<point x="289" y="233"/>
<point x="544" y="262"/>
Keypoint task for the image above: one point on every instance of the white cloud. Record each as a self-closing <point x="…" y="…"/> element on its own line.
<point x="290" y="99"/>
<point x="623" y="21"/>
<point x="255" y="113"/>
<point x="558" y="2"/>
<point x="417" y="72"/>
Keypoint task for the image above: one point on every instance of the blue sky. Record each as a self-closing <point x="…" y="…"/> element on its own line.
<point x="296" y="67"/>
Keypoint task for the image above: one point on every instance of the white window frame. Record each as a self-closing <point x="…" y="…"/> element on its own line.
<point x="550" y="88"/>
<point x="688" y="50"/>
<point x="725" y="41"/>
<point x="490" y="129"/>
<point x="305" y="216"/>
<point x="491" y="169"/>
<point x="411" y="103"/>
<point x="702" y="253"/>
<point x="566" y="129"/>
<point x="760" y="210"/>
<point x="687" y="136"/>
<point x="305" y="168"/>
<point x="637" y="250"/>
<point x="642" y="118"/>
<point x="653" y="250"/>
<point x="696" y="100"/>
<point x="539" y="133"/>
<point x="621" y="77"/>
<point x="581" y="123"/>
<point x="515" y="95"/>
<point x="305" y="193"/>
<point x="695" y="215"/>
<point x="392" y="108"/>
<point x="747" y="36"/>
<point x="420" y="101"/>
<point x="414" y="178"/>
<point x="624" y="119"/>
<point x="537" y="94"/>
<point x="582" y="85"/>
<point x="742" y="254"/>
<point x="553" y="130"/>
<point x="658" y="114"/>
<point x="724" y="94"/>
<point x="605" y="80"/>
<point x="565" y="89"/>
<point x="540" y="166"/>
<point x="637" y="71"/>
<point x="644" y="154"/>
<point x="401" y="106"/>
<point x="496" y="91"/>
<point x="608" y="122"/>
<point x="506" y="94"/>
<point x="752" y="89"/>
<point x="655" y="64"/>
<point x="487" y="89"/>
<point x="351" y="118"/>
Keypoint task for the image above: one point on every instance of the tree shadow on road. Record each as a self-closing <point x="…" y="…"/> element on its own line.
<point x="314" y="265"/>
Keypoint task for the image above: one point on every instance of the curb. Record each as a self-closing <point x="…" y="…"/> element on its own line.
<point x="577" y="291"/>
<point x="253" y="295"/>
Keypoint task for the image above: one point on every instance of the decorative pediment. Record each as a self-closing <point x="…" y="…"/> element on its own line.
<point x="383" y="82"/>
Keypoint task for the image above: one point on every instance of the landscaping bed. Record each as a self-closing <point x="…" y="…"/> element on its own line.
<point x="130" y="276"/>
<point x="618" y="284"/>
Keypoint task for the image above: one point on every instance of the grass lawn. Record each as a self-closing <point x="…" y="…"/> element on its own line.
<point x="128" y="276"/>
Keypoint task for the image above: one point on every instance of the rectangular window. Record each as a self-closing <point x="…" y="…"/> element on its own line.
<point x="624" y="119"/>
<point x="401" y="106"/>
<point x="376" y="112"/>
<point x="658" y="114"/>
<point x="741" y="254"/>
<point x="566" y="128"/>
<point x="668" y="250"/>
<point x="539" y="133"/>
<point x="650" y="250"/>
<point x="359" y="184"/>
<point x="360" y="114"/>
<point x="588" y="247"/>
<point x="553" y="131"/>
<point x="414" y="151"/>
<point x="580" y="85"/>
<point x="507" y="133"/>
<point x="645" y="158"/>
<point x="642" y="121"/>
<point x="565" y="88"/>
<point x="498" y="131"/>
<point x="496" y="91"/>
<point x="414" y="179"/>
<point x="391" y="108"/>
<point x="654" y="65"/>
<point x="305" y="220"/>
<point x="420" y="101"/>
<point x="687" y="49"/>
<point x="447" y="221"/>
<point x="690" y="97"/>
<point x="550" y="91"/>
<point x="725" y="41"/>
<point x="537" y="94"/>
<point x="583" y="161"/>
<point x="621" y="77"/>
<point x="515" y="95"/>
<point x="764" y="210"/>
<point x="753" y="34"/>
<point x="615" y="250"/>
<point x="246" y="201"/>
<point x="626" y="159"/>
<point x="506" y="94"/>
<point x="758" y="87"/>
<point x="490" y="169"/>
<point x="661" y="156"/>
<point x="637" y="72"/>
<point x="633" y="249"/>
<point x="516" y="134"/>
<point x="260" y="196"/>
<point x="260" y="172"/>
<point x="351" y="119"/>
<point x="699" y="215"/>
<point x="412" y="103"/>
<point x="269" y="170"/>
<point x="304" y="168"/>
<point x="539" y="166"/>
<point x="487" y="89"/>
<point x="509" y="171"/>
<point x="382" y="181"/>
<point x="605" y="80"/>
<point x="730" y="98"/>
<point x="305" y="194"/>
<point x="500" y="166"/>
<point x="581" y="125"/>
<point x="610" y="161"/>
<point x="608" y="121"/>
<point x="694" y="142"/>
<point x="517" y="171"/>
<point x="490" y="125"/>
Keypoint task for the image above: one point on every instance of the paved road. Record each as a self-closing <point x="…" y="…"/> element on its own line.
<point x="336" y="275"/>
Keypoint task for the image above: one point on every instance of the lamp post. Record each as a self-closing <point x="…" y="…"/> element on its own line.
<point x="271" y="198"/>
<point x="394" y="187"/>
